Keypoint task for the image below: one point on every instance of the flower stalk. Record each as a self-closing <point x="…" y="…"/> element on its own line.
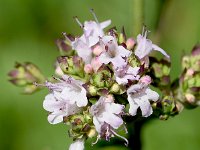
<point x="138" y="16"/>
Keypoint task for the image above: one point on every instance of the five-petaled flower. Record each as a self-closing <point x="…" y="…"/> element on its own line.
<point x="66" y="98"/>
<point x="139" y="96"/>
<point x="93" y="30"/>
<point x="106" y="111"/>
<point x="145" y="46"/>
<point x="114" y="53"/>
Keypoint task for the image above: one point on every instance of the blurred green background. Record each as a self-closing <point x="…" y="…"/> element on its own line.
<point x="28" y="29"/>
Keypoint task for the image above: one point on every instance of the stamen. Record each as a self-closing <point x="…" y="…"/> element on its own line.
<point x="126" y="141"/>
<point x="66" y="37"/>
<point x="58" y="79"/>
<point x="38" y="84"/>
<point x="79" y="23"/>
<point x="107" y="133"/>
<point x="94" y="15"/>
<point x="101" y="43"/>
<point x="143" y="30"/>
<point x="98" y="137"/>
<point x="125" y="129"/>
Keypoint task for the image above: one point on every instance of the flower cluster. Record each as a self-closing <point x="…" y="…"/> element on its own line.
<point x="104" y="81"/>
<point x="190" y="79"/>
<point x="95" y="71"/>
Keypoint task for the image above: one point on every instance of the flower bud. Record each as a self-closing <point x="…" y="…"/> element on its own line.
<point x="97" y="50"/>
<point x="189" y="88"/>
<point x="91" y="133"/>
<point x="121" y="38"/>
<point x="190" y="98"/>
<point x="88" y="69"/>
<point x="96" y="64"/>
<point x="115" y="88"/>
<point x="58" y="70"/>
<point x="103" y="78"/>
<point x="193" y="60"/>
<point x="160" y="72"/>
<point x="64" y="45"/>
<point x="92" y="90"/>
<point x="81" y="124"/>
<point x="166" y="107"/>
<point x="130" y="43"/>
<point x="145" y="80"/>
<point x="25" y="75"/>
<point x="133" y="61"/>
<point x="72" y="65"/>
<point x="196" y="50"/>
<point x="109" y="98"/>
<point x="190" y="72"/>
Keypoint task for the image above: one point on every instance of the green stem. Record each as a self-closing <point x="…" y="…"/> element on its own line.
<point x="162" y="19"/>
<point x="138" y="16"/>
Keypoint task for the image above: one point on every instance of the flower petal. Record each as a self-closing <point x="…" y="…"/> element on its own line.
<point x="114" y="108"/>
<point x="97" y="124"/>
<point x="134" y="88"/>
<point x="75" y="94"/>
<point x="123" y="52"/>
<point x="54" y="118"/>
<point x="144" y="46"/>
<point x="145" y="106"/>
<point x="112" y="120"/>
<point x="77" y="145"/>
<point x="155" y="47"/>
<point x="133" y="106"/>
<point x="152" y="95"/>
<point x="51" y="103"/>
<point x="105" y="24"/>
<point x="82" y="49"/>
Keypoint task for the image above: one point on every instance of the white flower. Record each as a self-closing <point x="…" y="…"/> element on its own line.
<point x="92" y="32"/>
<point x="83" y="49"/>
<point x="67" y="98"/>
<point x="126" y="73"/>
<point x="77" y="145"/>
<point x="145" y="46"/>
<point x="106" y="111"/>
<point x="139" y="96"/>
<point x="58" y="107"/>
<point x="113" y="52"/>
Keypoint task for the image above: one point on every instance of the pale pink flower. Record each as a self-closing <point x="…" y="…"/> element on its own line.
<point x="93" y="30"/>
<point x="106" y="111"/>
<point x="113" y="52"/>
<point x="66" y="98"/>
<point x="77" y="145"/>
<point x="145" y="46"/>
<point x="124" y="74"/>
<point x="139" y="96"/>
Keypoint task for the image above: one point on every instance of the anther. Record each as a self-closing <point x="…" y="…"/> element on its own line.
<point x="94" y="15"/>
<point x="79" y="23"/>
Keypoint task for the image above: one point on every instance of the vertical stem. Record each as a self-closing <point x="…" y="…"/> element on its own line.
<point x="134" y="138"/>
<point x="162" y="19"/>
<point x="138" y="16"/>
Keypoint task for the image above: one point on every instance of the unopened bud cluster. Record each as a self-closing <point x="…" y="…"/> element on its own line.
<point x="190" y="79"/>
<point x="24" y="75"/>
